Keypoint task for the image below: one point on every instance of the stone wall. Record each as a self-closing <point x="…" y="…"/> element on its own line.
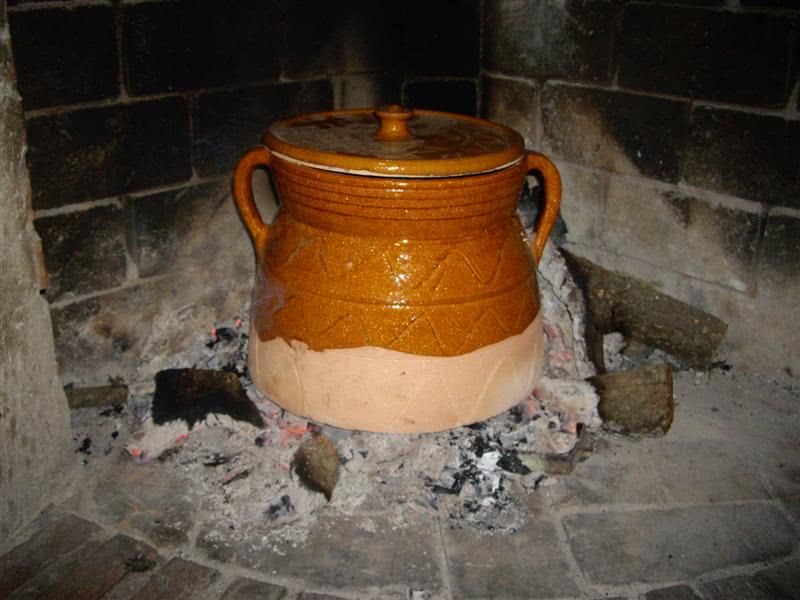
<point x="35" y="445"/>
<point x="136" y="114"/>
<point x="676" y="127"/>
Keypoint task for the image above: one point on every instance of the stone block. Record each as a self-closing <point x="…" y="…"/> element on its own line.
<point x="448" y="95"/>
<point x="531" y="561"/>
<point x="674" y="592"/>
<point x="744" y="154"/>
<point x="179" y="579"/>
<point x="583" y="202"/>
<point x="360" y="91"/>
<point x="782" y="579"/>
<point x="340" y="553"/>
<point x="227" y="123"/>
<point x="26" y="560"/>
<point x="618" y="131"/>
<point x="65" y="56"/>
<point x="681" y="232"/>
<point x="614" y="547"/>
<point x="337" y="38"/>
<point x="170" y="227"/>
<point x="250" y="589"/>
<point x="653" y="472"/>
<point x="443" y="38"/>
<point x="741" y="587"/>
<point x="779" y="274"/>
<point x="147" y="501"/>
<point x="545" y="39"/>
<point x="102" y="152"/>
<point x="724" y="56"/>
<point x="185" y="45"/>
<point x="513" y="103"/>
<point x="83" y="251"/>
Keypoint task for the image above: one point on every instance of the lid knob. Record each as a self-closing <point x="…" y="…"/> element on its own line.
<point x="393" y="123"/>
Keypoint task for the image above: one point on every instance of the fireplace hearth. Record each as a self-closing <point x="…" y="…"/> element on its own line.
<point x="674" y="126"/>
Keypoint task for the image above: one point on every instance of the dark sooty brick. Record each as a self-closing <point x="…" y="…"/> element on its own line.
<point x="715" y="55"/>
<point x="101" y="152"/>
<point x="34" y="2"/>
<point x="228" y="123"/>
<point x="344" y="37"/>
<point x="747" y="155"/>
<point x="452" y="96"/>
<point x="65" y="56"/>
<point x="513" y="103"/>
<point x="83" y="251"/>
<point x="549" y="38"/>
<point x="446" y="41"/>
<point x="191" y="45"/>
<point x="780" y="266"/>
<point x="105" y="335"/>
<point x="627" y="133"/>
<point x="166" y="223"/>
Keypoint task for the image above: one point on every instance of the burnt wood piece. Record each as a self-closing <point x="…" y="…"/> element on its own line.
<point x="192" y="395"/>
<point x="89" y="397"/>
<point x="617" y="302"/>
<point x="636" y="401"/>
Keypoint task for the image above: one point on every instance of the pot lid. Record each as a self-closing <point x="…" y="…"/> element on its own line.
<point x="394" y="141"/>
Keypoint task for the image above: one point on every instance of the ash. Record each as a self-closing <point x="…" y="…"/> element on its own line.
<point x="473" y="477"/>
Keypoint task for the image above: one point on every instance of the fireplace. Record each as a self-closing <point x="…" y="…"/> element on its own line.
<point x="675" y="126"/>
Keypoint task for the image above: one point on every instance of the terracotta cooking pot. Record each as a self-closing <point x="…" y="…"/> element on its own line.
<point x="396" y="288"/>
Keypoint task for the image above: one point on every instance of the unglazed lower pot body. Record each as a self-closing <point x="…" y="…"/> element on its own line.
<point x="393" y="304"/>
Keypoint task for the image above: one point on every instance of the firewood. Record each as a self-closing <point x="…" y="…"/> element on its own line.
<point x="99" y="396"/>
<point x="617" y="302"/>
<point x="636" y="401"/>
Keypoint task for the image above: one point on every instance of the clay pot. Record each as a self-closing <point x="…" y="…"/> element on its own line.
<point x="396" y="288"/>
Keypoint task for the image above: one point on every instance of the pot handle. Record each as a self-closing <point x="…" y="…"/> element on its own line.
<point x="552" y="199"/>
<point x="243" y="193"/>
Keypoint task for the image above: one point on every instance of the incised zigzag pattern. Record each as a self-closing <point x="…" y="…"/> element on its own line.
<point x="431" y="297"/>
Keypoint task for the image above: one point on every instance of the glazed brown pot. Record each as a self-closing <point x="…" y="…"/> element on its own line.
<point x="395" y="289"/>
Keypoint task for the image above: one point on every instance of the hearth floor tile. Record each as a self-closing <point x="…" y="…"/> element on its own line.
<point x="250" y="589"/>
<point x="646" y="546"/>
<point x="341" y="552"/>
<point x="529" y="564"/>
